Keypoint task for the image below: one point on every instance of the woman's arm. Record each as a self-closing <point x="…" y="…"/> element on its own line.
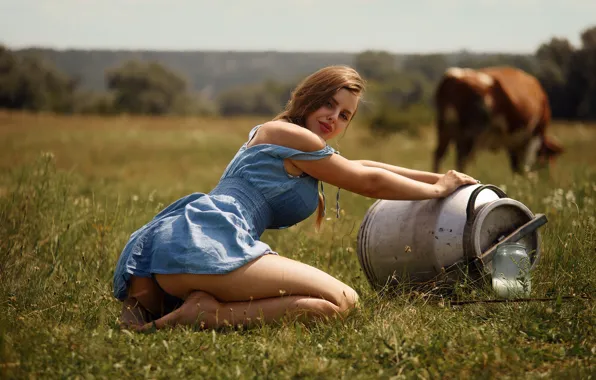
<point x="373" y="182"/>
<point x="418" y="175"/>
<point x="380" y="183"/>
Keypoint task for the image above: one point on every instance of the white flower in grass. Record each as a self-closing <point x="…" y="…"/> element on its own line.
<point x="570" y="197"/>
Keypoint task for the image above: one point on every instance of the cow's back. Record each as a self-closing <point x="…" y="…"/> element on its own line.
<point x="528" y="104"/>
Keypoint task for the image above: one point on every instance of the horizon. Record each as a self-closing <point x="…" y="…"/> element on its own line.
<point x="165" y="50"/>
<point x="426" y="27"/>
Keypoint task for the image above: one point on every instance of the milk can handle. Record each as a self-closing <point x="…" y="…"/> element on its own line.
<point x="474" y="195"/>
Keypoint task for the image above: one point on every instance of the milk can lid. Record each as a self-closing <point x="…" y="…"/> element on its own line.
<point x="496" y="220"/>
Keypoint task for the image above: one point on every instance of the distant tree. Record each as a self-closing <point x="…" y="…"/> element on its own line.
<point x="431" y="66"/>
<point x="581" y="83"/>
<point x="554" y="58"/>
<point x="568" y="75"/>
<point x="585" y="59"/>
<point x="265" y="99"/>
<point x="235" y="101"/>
<point x="145" y="88"/>
<point x="280" y="91"/>
<point x="375" y="65"/>
<point x="558" y="51"/>
<point x="588" y="37"/>
<point x="29" y="83"/>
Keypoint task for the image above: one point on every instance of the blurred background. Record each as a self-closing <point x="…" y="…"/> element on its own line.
<point x="232" y="58"/>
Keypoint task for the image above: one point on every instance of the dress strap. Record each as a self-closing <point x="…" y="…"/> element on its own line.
<point x="252" y="132"/>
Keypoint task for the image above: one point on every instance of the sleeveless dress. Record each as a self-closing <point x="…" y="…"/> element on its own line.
<point x="218" y="232"/>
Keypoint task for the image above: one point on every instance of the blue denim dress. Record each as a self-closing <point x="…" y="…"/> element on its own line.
<point x="218" y="232"/>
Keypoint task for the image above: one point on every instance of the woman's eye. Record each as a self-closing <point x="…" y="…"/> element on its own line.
<point x="344" y="116"/>
<point x="329" y="104"/>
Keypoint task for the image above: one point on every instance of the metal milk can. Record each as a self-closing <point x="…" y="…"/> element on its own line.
<point x="414" y="242"/>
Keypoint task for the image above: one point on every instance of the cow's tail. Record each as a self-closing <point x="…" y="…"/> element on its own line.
<point x="550" y="147"/>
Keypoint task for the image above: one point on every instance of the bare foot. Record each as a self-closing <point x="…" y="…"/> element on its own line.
<point x="133" y="314"/>
<point x="199" y="308"/>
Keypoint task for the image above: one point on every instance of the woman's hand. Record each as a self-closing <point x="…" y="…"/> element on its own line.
<point x="451" y="180"/>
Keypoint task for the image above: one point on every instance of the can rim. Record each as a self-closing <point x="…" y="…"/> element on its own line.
<point x="472" y="246"/>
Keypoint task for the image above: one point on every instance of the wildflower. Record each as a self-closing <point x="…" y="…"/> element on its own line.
<point x="47" y="155"/>
<point x="570" y="197"/>
<point x="532" y="177"/>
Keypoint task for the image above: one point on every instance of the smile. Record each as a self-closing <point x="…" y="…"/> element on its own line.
<point x="325" y="128"/>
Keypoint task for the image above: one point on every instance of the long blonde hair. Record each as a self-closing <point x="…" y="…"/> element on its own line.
<point x="312" y="93"/>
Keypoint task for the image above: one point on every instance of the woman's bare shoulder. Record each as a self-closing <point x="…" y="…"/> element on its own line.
<point x="290" y="135"/>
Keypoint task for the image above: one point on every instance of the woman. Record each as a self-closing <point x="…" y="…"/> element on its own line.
<point x="200" y="260"/>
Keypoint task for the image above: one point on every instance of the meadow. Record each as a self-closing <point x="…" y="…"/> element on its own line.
<point x="73" y="188"/>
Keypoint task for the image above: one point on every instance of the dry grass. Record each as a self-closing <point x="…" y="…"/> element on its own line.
<point x="65" y="215"/>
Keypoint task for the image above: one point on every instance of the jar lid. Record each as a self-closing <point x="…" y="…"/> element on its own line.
<point x="512" y="244"/>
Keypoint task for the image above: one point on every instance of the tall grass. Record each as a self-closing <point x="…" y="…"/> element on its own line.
<point x="73" y="189"/>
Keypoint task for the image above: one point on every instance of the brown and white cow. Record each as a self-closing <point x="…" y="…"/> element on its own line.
<point x="493" y="108"/>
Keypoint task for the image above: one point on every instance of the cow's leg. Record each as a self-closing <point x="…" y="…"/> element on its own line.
<point x="443" y="140"/>
<point x="514" y="161"/>
<point x="530" y="152"/>
<point x="464" y="153"/>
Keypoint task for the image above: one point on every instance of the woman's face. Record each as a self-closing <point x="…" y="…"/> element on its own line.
<point x="334" y="116"/>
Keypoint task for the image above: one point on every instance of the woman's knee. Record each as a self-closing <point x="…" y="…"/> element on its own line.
<point x="348" y="300"/>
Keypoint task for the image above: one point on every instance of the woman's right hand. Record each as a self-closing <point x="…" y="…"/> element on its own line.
<point x="452" y="180"/>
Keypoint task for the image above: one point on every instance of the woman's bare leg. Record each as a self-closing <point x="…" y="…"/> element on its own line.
<point x="266" y="277"/>
<point x="144" y="297"/>
<point x="203" y="310"/>
<point x="268" y="288"/>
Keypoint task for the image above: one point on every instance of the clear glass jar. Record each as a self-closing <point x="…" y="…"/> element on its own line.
<point x="511" y="271"/>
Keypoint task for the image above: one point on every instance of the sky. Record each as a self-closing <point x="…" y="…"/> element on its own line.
<point x="399" y="26"/>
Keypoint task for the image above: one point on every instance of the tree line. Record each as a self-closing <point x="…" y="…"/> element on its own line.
<point x="399" y="97"/>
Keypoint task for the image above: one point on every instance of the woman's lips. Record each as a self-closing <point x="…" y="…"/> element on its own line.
<point x="325" y="128"/>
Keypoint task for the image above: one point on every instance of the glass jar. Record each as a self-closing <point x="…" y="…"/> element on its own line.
<point x="511" y="271"/>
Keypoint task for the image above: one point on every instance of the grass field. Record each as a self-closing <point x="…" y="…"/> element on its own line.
<point x="72" y="189"/>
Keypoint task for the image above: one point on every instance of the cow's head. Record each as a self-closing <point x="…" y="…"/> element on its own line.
<point x="549" y="150"/>
<point x="536" y="153"/>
